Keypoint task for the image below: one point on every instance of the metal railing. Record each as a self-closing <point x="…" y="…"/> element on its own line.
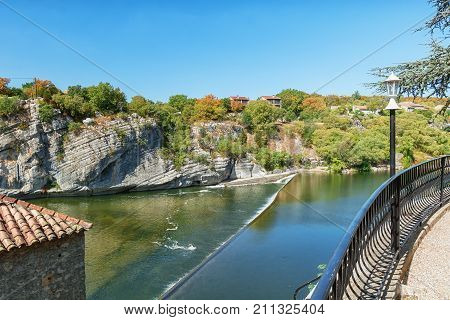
<point x="364" y="264"/>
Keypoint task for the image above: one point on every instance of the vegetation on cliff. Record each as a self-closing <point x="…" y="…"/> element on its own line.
<point x="327" y="126"/>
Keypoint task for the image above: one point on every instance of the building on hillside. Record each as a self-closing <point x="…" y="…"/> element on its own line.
<point x="274" y="100"/>
<point x="439" y="108"/>
<point x="411" y="106"/>
<point x="41" y="252"/>
<point x="334" y="107"/>
<point x="364" y="109"/>
<point x="241" y="100"/>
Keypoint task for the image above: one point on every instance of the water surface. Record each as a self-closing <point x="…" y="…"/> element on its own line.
<point x="286" y="244"/>
<point x="143" y="242"/>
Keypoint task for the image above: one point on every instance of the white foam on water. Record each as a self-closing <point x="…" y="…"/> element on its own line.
<point x="173" y="225"/>
<point x="175" y="245"/>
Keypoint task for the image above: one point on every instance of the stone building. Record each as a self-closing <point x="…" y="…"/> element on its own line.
<point x="41" y="252"/>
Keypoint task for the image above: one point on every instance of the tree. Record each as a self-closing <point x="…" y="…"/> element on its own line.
<point x="4" y="85"/>
<point x="225" y="103"/>
<point x="356" y="95"/>
<point x="429" y="76"/>
<point x="313" y="106"/>
<point x="260" y="112"/>
<point x="40" y="88"/>
<point x="141" y="106"/>
<point x="181" y="102"/>
<point x="74" y="105"/>
<point x="291" y="100"/>
<point x="78" y="91"/>
<point x="208" y="108"/>
<point x="106" y="99"/>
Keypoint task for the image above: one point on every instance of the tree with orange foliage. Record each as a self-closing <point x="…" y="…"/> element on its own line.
<point x="208" y="108"/>
<point x="313" y="106"/>
<point x="4" y="85"/>
<point x="40" y="88"/>
<point x="237" y="106"/>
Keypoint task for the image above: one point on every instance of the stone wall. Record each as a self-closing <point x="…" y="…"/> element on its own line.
<point x="48" y="270"/>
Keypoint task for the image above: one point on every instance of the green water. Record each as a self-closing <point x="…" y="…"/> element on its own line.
<point x="286" y="244"/>
<point x="143" y="242"/>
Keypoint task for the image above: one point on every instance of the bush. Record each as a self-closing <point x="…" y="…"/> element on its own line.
<point x="9" y="106"/>
<point x="271" y="160"/>
<point x="46" y="113"/>
<point x="75" y="127"/>
<point x="229" y="147"/>
<point x="74" y="105"/>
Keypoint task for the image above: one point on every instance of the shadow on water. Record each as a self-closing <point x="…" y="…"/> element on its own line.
<point x="284" y="245"/>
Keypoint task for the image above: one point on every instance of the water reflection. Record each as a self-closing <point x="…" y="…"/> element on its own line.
<point x="284" y="246"/>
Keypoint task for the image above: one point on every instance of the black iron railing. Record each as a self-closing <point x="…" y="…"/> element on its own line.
<point x="365" y="262"/>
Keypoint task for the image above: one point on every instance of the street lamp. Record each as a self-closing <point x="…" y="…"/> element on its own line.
<point x="392" y="87"/>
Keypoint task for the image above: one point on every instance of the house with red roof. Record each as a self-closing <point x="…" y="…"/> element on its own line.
<point x="41" y="252"/>
<point x="274" y="100"/>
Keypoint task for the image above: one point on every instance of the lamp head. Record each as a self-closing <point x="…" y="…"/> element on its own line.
<point x="392" y="85"/>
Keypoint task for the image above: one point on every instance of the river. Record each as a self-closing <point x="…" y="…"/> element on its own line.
<point x="143" y="243"/>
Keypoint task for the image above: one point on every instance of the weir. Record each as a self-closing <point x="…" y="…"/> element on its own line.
<point x="286" y="244"/>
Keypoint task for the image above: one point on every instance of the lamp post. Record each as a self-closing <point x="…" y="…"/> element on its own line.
<point x="392" y="86"/>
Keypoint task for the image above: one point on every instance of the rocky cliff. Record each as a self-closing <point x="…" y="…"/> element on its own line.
<point x="102" y="156"/>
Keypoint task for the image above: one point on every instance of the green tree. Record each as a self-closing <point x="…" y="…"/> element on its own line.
<point x="106" y="99"/>
<point x="428" y="76"/>
<point x="260" y="112"/>
<point x="291" y="100"/>
<point x="181" y="102"/>
<point x="74" y="105"/>
<point x="141" y="106"/>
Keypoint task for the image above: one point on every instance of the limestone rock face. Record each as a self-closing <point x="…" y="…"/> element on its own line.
<point x="104" y="156"/>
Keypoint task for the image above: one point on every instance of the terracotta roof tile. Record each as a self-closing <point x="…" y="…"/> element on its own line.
<point x="24" y="224"/>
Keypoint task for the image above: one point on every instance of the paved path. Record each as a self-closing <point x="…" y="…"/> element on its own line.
<point x="429" y="274"/>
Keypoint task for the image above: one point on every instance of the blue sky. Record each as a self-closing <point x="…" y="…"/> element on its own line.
<point x="252" y="48"/>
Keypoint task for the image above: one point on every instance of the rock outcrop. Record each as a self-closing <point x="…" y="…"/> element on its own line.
<point x="102" y="156"/>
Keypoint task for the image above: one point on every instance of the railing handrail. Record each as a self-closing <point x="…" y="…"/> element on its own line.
<point x="326" y="281"/>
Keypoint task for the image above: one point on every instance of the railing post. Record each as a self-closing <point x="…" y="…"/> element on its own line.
<point x="395" y="217"/>
<point x="441" y="201"/>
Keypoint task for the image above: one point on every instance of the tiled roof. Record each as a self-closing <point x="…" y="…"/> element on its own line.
<point x="24" y="224"/>
<point x="409" y="104"/>
<point x="271" y="98"/>
<point x="238" y="98"/>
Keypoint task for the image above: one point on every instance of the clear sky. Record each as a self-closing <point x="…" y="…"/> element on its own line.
<point x="252" y="48"/>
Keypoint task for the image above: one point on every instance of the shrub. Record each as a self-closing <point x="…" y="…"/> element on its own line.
<point x="9" y="106"/>
<point x="75" y="127"/>
<point x="46" y="113"/>
<point x="271" y="160"/>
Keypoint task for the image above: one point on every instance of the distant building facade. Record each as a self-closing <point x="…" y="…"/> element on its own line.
<point x="411" y="106"/>
<point x="241" y="100"/>
<point x="41" y="252"/>
<point x="274" y="100"/>
<point x="364" y="109"/>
